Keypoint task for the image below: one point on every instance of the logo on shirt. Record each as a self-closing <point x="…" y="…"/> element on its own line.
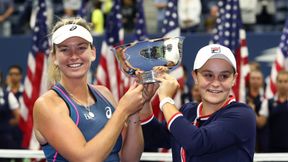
<point x="108" y="112"/>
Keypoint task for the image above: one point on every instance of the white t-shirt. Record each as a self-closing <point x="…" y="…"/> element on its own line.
<point x="12" y="100"/>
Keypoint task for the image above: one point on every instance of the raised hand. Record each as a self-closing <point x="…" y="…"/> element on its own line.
<point x="168" y="86"/>
<point x="149" y="91"/>
<point x="133" y="99"/>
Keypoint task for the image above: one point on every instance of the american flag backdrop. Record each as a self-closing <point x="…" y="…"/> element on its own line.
<point x="108" y="71"/>
<point x="171" y="29"/>
<point x="35" y="82"/>
<point x="280" y="63"/>
<point x="140" y="26"/>
<point x="229" y="32"/>
<point x="171" y="26"/>
<point x="82" y="12"/>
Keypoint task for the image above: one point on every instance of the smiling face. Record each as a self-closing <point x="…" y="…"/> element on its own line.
<point x="73" y="57"/>
<point x="215" y="80"/>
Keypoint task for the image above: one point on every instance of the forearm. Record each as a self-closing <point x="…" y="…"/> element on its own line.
<point x="134" y="143"/>
<point x="104" y="142"/>
<point x="169" y="111"/>
<point x="146" y="111"/>
<point x="8" y="13"/>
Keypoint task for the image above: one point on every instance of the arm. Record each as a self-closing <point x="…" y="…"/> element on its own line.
<point x="233" y="127"/>
<point x="51" y="119"/>
<point x="156" y="134"/>
<point x="133" y="143"/>
<point x="7" y="13"/>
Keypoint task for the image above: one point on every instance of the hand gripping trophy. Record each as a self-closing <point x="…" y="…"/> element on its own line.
<point x="140" y="59"/>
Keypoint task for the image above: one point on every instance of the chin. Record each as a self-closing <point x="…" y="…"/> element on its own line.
<point x="216" y="99"/>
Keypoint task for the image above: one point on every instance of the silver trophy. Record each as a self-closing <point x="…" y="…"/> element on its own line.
<point x="144" y="56"/>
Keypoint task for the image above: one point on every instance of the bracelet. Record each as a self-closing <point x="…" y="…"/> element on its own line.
<point x="164" y="101"/>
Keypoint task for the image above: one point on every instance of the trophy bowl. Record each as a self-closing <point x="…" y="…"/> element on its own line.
<point x="144" y="56"/>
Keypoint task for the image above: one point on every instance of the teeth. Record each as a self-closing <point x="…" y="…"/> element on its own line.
<point x="74" y="65"/>
<point x="214" y="91"/>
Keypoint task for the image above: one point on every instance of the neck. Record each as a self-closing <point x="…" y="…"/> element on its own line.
<point x="15" y="87"/>
<point x="254" y="92"/>
<point x="209" y="108"/>
<point x="78" y="89"/>
<point x="282" y="97"/>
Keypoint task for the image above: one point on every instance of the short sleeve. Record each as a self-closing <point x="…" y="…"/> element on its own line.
<point x="264" y="108"/>
<point x="12" y="101"/>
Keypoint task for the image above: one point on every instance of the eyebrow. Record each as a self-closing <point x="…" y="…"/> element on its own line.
<point x="225" y="71"/>
<point x="79" y="44"/>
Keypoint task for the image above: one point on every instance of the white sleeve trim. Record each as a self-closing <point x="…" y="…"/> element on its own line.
<point x="172" y="120"/>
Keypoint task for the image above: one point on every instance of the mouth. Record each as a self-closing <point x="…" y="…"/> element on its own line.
<point x="214" y="91"/>
<point x="75" y="65"/>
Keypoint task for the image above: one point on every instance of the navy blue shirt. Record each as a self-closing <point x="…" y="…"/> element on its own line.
<point x="278" y="118"/>
<point x="227" y="135"/>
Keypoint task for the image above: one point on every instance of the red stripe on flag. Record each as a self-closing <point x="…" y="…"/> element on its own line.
<point x="35" y="80"/>
<point x="103" y="64"/>
<point x="278" y="66"/>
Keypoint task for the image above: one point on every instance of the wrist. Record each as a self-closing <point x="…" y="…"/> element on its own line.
<point x="123" y="115"/>
<point x="164" y="101"/>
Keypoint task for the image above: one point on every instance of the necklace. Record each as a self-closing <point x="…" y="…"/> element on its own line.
<point x="86" y="106"/>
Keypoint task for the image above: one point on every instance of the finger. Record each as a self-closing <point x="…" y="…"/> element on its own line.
<point x="133" y="86"/>
<point x="159" y="79"/>
<point x="139" y="87"/>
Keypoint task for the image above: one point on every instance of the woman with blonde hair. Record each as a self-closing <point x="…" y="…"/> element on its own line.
<point x="76" y="121"/>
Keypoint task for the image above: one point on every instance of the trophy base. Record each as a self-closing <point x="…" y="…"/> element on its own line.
<point x="148" y="77"/>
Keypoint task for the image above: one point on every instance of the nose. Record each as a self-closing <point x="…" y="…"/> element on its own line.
<point x="74" y="53"/>
<point x="216" y="82"/>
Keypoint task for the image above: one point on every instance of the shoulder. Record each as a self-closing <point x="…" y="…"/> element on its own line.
<point x="48" y="103"/>
<point x="106" y="93"/>
<point x="239" y="107"/>
<point x="239" y="111"/>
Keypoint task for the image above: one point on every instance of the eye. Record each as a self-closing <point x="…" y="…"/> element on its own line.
<point x="224" y="76"/>
<point x="63" y="49"/>
<point x="207" y="75"/>
<point x="82" y="47"/>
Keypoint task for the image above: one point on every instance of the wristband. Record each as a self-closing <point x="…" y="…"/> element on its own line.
<point x="164" y="101"/>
